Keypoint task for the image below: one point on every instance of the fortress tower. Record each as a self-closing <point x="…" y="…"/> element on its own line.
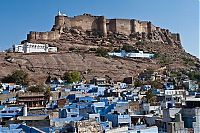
<point x="102" y="25"/>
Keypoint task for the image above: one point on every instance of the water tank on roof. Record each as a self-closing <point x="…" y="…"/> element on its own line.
<point x="25" y="112"/>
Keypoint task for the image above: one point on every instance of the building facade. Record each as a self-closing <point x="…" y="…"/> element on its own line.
<point x="123" y="54"/>
<point x="31" y="99"/>
<point x="33" y="48"/>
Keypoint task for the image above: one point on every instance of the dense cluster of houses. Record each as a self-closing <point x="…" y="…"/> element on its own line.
<point x="104" y="106"/>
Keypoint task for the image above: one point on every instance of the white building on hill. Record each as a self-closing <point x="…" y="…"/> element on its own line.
<point x="33" y="48"/>
<point x="123" y="54"/>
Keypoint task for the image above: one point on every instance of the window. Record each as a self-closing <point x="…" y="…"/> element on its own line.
<point x="3" y="112"/>
<point x="73" y="115"/>
<point x="10" y="111"/>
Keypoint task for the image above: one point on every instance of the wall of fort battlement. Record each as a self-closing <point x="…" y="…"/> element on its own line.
<point x="176" y="37"/>
<point x="51" y="35"/>
<point x="100" y="23"/>
<point x="88" y="22"/>
<point x="123" y="26"/>
<point x="84" y="22"/>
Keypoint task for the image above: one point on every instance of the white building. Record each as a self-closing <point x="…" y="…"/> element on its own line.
<point x="18" y="48"/>
<point x="123" y="53"/>
<point x="173" y="97"/>
<point x="33" y="48"/>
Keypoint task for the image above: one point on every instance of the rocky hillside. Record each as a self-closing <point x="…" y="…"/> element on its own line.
<point x="77" y="52"/>
<point x="39" y="66"/>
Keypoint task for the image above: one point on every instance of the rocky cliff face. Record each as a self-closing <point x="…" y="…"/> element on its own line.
<point x="75" y="53"/>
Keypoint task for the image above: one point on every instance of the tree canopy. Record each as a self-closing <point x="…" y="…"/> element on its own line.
<point x="194" y="75"/>
<point x="18" y="77"/>
<point x="129" y="48"/>
<point x="102" y="52"/>
<point x="150" y="96"/>
<point x="73" y="76"/>
<point x="36" y="88"/>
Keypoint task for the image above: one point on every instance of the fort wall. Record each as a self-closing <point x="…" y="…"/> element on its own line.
<point x="51" y="35"/>
<point x="151" y="27"/>
<point x="87" y="22"/>
<point x="100" y="23"/>
<point x="112" y="25"/>
<point x="123" y="26"/>
<point x="176" y="37"/>
<point x="144" y="26"/>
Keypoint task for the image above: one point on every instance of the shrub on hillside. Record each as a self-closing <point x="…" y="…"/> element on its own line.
<point x="129" y="48"/>
<point x="18" y="77"/>
<point x="102" y="52"/>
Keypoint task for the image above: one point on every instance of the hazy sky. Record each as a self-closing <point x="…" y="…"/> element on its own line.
<point x="18" y="17"/>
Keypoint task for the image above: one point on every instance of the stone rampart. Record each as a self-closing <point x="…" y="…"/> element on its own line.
<point x="51" y="35"/>
<point x="87" y="22"/>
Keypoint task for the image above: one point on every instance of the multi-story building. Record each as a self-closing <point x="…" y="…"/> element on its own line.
<point x="33" y="48"/>
<point x="31" y="99"/>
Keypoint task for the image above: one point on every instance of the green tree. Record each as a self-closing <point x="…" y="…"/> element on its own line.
<point x="47" y="93"/>
<point x="194" y="75"/>
<point x="156" y="55"/>
<point x="73" y="76"/>
<point x="116" y="50"/>
<point x="138" y="83"/>
<point x="150" y="97"/>
<point x="156" y="84"/>
<point x="36" y="88"/>
<point x="18" y="77"/>
<point x="140" y="43"/>
<point x="102" y="52"/>
<point x="92" y="49"/>
<point x="129" y="48"/>
<point x="165" y="60"/>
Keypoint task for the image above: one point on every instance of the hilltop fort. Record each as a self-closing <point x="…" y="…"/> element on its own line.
<point x="77" y="43"/>
<point x="100" y="24"/>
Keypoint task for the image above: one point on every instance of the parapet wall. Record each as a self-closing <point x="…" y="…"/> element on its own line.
<point x="85" y="22"/>
<point x="99" y="23"/>
<point x="51" y="35"/>
<point x="123" y="26"/>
